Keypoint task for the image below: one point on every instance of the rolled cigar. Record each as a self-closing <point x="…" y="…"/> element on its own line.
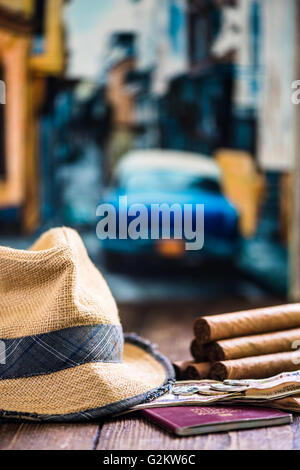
<point x="198" y="371"/>
<point x="180" y="369"/>
<point x="198" y="351"/>
<point x="256" y="345"/>
<point x="249" y="322"/>
<point x="257" y="367"/>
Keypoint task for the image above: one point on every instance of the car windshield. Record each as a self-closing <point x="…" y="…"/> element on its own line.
<point x="168" y="181"/>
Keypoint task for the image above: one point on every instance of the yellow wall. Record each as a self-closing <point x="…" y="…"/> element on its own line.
<point x="25" y="78"/>
<point x="19" y="6"/>
<point x="13" y="56"/>
<point x="53" y="59"/>
<point x="243" y="185"/>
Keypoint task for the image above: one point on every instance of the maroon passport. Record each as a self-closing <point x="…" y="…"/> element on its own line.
<point x="191" y="420"/>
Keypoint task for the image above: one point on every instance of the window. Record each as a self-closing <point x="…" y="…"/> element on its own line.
<point x="204" y="23"/>
<point x="39" y="19"/>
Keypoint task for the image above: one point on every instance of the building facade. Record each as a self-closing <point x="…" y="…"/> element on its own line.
<point x="31" y="50"/>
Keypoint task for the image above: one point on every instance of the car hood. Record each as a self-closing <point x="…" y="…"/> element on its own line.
<point x="214" y="203"/>
<point x="220" y="216"/>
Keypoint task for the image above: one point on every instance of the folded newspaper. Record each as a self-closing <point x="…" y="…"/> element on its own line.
<point x="281" y="391"/>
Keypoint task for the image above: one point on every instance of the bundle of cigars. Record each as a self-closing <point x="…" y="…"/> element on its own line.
<point x="251" y="344"/>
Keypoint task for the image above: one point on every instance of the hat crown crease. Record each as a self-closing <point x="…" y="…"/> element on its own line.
<point x="52" y="286"/>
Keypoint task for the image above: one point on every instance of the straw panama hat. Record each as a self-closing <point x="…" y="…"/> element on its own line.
<point x="63" y="356"/>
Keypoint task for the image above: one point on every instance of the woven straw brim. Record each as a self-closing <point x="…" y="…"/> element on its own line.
<point x="89" y="391"/>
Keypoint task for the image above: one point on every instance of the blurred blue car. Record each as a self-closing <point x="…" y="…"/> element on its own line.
<point x="169" y="177"/>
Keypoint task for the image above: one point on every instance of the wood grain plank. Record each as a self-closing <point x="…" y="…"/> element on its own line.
<point x="135" y="433"/>
<point x="272" y="438"/>
<point x="37" y="436"/>
<point x="162" y="322"/>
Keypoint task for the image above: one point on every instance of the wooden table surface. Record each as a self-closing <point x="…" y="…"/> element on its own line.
<point x="161" y="324"/>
